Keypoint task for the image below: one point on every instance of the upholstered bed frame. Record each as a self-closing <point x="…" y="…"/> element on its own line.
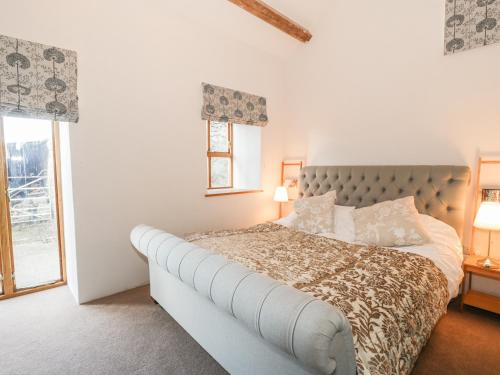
<point x="242" y="321"/>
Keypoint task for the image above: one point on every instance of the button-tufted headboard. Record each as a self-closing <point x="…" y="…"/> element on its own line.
<point x="439" y="190"/>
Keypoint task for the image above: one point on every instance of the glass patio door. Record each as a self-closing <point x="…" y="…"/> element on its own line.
<point x="31" y="246"/>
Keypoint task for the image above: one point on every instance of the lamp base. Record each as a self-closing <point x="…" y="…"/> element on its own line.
<point x="487" y="263"/>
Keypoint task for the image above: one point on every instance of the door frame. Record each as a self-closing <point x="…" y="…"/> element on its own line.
<point x="6" y="249"/>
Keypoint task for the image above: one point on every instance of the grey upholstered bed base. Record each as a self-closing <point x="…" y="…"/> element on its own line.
<point x="237" y="349"/>
<point x="269" y="329"/>
<point x="261" y="324"/>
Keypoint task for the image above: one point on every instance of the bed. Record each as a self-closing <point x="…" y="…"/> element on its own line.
<point x="272" y="300"/>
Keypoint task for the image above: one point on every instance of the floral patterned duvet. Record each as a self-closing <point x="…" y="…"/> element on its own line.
<point x="392" y="299"/>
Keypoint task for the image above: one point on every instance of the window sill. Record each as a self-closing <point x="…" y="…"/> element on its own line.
<point x="220" y="192"/>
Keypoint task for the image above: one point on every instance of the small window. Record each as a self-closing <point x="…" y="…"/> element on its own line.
<point x="233" y="157"/>
<point x="220" y="155"/>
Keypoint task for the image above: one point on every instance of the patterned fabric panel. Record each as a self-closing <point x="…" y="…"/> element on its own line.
<point x="392" y="299"/>
<point x="37" y="81"/>
<point x="222" y="104"/>
<point x="471" y="24"/>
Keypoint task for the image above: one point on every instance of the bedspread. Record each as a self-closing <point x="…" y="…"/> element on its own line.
<point x="392" y="299"/>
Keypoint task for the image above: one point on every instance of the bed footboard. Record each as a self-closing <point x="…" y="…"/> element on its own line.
<point x="310" y="330"/>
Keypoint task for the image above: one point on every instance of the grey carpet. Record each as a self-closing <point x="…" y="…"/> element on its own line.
<point x="47" y="333"/>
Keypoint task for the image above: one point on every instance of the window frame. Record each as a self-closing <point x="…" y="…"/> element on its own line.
<point x="9" y="288"/>
<point x="220" y="154"/>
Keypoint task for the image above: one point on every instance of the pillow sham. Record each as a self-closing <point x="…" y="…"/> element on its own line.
<point x="343" y="223"/>
<point x="390" y="223"/>
<point x="315" y="214"/>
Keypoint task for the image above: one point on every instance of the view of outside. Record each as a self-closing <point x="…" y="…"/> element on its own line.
<point x="31" y="189"/>
<point x="219" y="137"/>
<point x="221" y="172"/>
<point x="220" y="166"/>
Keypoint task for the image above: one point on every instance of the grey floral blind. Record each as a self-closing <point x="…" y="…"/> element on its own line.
<point x="225" y="105"/>
<point x="37" y="81"/>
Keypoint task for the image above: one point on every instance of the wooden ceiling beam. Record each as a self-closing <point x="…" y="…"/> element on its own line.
<point x="270" y="15"/>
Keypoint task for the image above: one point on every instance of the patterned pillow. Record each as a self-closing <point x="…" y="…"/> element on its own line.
<point x="390" y="223"/>
<point x="315" y="214"/>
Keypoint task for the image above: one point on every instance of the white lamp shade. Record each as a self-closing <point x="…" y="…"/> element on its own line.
<point x="488" y="216"/>
<point x="281" y="194"/>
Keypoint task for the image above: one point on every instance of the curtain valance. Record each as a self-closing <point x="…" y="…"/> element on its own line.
<point x="222" y="104"/>
<point x="37" y="81"/>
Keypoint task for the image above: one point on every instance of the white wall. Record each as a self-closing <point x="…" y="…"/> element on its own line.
<point x="139" y="150"/>
<point x="373" y="87"/>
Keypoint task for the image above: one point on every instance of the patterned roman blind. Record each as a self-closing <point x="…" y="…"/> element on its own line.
<point x="222" y="104"/>
<point x="37" y="81"/>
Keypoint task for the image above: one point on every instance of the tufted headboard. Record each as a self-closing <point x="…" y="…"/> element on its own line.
<point x="439" y="190"/>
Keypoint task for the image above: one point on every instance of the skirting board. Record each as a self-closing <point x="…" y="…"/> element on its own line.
<point x="238" y="350"/>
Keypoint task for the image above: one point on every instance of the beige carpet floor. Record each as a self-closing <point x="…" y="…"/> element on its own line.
<point x="47" y="333"/>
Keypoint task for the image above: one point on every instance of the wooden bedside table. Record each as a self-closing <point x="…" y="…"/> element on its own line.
<point x="477" y="299"/>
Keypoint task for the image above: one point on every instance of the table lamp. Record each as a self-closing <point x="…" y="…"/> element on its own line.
<point x="281" y="195"/>
<point x="488" y="218"/>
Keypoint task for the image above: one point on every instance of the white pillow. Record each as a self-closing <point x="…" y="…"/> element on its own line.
<point x="343" y="223"/>
<point x="390" y="223"/>
<point x="315" y="214"/>
<point x="288" y="220"/>
<point x="442" y="234"/>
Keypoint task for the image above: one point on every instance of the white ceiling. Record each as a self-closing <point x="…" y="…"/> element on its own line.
<point x="241" y="26"/>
